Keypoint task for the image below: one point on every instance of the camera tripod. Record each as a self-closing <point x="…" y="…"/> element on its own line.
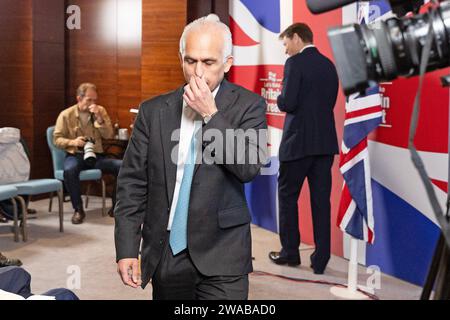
<point x="439" y="274"/>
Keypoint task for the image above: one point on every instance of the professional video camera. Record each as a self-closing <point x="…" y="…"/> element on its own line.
<point x="382" y="51"/>
<point x="368" y="54"/>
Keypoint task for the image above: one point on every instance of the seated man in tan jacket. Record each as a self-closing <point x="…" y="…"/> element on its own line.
<point x="80" y="129"/>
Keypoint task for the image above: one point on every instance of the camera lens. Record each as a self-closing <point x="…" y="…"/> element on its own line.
<point x="390" y="49"/>
<point x="89" y="155"/>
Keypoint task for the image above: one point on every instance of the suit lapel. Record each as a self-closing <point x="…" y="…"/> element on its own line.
<point x="170" y="120"/>
<point x="225" y="97"/>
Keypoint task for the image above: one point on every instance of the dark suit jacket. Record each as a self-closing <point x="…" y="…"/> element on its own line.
<point x="219" y="239"/>
<point x="308" y="97"/>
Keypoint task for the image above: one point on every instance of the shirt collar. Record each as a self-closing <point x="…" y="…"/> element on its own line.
<point x="306" y="47"/>
<point x="214" y="93"/>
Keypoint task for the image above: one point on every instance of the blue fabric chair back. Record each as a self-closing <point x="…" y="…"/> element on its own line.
<point x="58" y="155"/>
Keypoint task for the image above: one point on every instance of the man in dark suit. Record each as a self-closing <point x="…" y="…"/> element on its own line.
<point x="308" y="145"/>
<point x="192" y="217"/>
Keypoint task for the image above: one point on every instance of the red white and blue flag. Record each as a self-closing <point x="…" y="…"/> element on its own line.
<point x="363" y="115"/>
<point x="405" y="225"/>
<point x="259" y="59"/>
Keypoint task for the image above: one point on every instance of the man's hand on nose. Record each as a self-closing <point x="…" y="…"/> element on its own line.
<point x="95" y="109"/>
<point x="198" y="96"/>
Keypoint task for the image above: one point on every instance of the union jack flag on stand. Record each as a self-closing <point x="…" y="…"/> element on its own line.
<point x="362" y="115"/>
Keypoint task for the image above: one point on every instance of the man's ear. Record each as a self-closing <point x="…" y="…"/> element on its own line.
<point x="79" y="98"/>
<point x="228" y="63"/>
<point x="297" y="39"/>
<point x="181" y="58"/>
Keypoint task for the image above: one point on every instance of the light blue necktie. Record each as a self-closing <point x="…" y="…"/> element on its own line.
<point x="178" y="231"/>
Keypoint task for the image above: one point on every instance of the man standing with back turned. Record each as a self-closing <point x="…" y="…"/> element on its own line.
<point x="308" y="145"/>
<point x="193" y="218"/>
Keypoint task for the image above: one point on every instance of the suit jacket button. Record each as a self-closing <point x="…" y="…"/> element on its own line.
<point x="161" y="242"/>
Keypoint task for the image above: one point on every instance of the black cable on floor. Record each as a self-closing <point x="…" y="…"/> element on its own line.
<point x="263" y="273"/>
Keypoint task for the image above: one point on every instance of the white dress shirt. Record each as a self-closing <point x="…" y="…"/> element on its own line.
<point x="306" y="47"/>
<point x="186" y="131"/>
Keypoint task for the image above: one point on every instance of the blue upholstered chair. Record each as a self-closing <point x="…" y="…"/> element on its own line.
<point x="40" y="186"/>
<point x="31" y="188"/>
<point x="58" y="156"/>
<point x="8" y="192"/>
<point x="35" y="187"/>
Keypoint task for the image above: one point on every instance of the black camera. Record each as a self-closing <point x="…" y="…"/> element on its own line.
<point x="89" y="155"/>
<point x="368" y="54"/>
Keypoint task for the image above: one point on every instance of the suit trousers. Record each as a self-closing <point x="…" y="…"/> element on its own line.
<point x="290" y="181"/>
<point x="177" y="278"/>
<point x="73" y="164"/>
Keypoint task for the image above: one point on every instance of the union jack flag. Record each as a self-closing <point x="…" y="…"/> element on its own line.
<point x="363" y="114"/>
<point x="355" y="216"/>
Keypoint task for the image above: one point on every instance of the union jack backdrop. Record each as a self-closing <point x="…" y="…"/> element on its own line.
<point x="395" y="202"/>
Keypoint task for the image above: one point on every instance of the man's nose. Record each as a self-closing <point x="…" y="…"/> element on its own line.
<point x="199" y="69"/>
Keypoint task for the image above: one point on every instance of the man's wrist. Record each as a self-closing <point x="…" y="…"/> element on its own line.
<point x="100" y="120"/>
<point x="73" y="143"/>
<point x="208" y="117"/>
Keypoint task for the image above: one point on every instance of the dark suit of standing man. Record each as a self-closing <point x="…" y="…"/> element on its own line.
<point x="308" y="145"/>
<point x="210" y="256"/>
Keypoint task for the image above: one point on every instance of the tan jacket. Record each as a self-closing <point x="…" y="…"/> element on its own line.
<point x="68" y="127"/>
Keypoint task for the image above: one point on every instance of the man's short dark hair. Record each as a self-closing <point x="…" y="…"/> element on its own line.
<point x="301" y="29"/>
<point x="84" y="87"/>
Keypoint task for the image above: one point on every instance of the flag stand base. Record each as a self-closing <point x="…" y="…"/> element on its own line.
<point x="346" y="293"/>
<point x="351" y="292"/>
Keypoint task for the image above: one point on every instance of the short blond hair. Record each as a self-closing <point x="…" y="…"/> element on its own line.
<point x="82" y="88"/>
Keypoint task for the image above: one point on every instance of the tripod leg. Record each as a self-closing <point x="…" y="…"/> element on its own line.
<point x="434" y="269"/>
<point x="443" y="277"/>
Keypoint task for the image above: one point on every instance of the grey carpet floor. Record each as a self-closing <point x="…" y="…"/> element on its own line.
<point x="83" y="259"/>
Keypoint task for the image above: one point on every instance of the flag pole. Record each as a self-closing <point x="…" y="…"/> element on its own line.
<point x="353" y="267"/>
<point x="351" y="291"/>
